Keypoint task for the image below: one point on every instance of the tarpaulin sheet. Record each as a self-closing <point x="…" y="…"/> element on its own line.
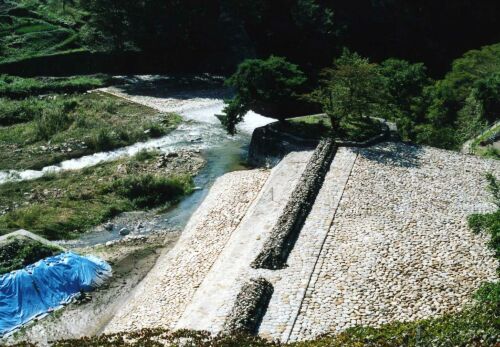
<point x="46" y="285"/>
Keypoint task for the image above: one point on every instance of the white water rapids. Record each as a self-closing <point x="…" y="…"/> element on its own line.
<point x="202" y="130"/>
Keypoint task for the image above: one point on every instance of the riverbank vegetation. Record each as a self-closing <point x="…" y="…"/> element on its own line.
<point x="66" y="204"/>
<point x="19" y="87"/>
<point x="48" y="130"/>
<point x="19" y="251"/>
<point x="442" y="113"/>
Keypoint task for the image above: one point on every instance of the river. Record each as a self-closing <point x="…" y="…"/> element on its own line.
<point x="201" y="130"/>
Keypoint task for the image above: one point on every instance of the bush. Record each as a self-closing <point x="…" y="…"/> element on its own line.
<point x="145" y="154"/>
<point x="156" y="130"/>
<point x="51" y="122"/>
<point x="21" y="252"/>
<point x="103" y="140"/>
<point x="270" y="87"/>
<point x="489" y="293"/>
<point x="443" y="137"/>
<point x="13" y="112"/>
<point x="148" y="190"/>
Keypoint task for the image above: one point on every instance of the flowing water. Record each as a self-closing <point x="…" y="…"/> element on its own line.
<point x="201" y="131"/>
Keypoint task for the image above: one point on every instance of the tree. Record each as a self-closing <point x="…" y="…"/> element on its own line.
<point x="448" y="96"/>
<point x="404" y="83"/>
<point x="271" y="87"/>
<point x="352" y="89"/>
<point x="487" y="91"/>
<point x="110" y="24"/>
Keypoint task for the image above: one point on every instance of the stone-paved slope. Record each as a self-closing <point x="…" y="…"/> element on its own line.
<point x="162" y="296"/>
<point x="399" y="247"/>
<point x="215" y="297"/>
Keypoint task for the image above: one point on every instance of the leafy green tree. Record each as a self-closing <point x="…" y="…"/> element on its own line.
<point x="352" y="89"/>
<point x="404" y="84"/>
<point x="487" y="91"/>
<point x="271" y="87"/>
<point x="448" y="96"/>
<point x="109" y="26"/>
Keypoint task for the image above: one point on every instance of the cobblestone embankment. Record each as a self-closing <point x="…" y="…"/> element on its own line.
<point x="386" y="240"/>
<point x="399" y="247"/>
<point x="163" y="295"/>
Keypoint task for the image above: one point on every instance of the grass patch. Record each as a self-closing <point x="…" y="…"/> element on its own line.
<point x="61" y="206"/>
<point x="36" y="28"/>
<point x="64" y="127"/>
<point x="148" y="190"/>
<point x="20" y="87"/>
<point x="487" y="151"/>
<point x="318" y="126"/>
<point x="18" y="252"/>
<point x="14" y="112"/>
<point x="475" y="326"/>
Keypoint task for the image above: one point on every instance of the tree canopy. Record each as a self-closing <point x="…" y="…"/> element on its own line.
<point x="270" y="87"/>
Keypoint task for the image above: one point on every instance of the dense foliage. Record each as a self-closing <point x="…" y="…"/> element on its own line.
<point x="20" y="252"/>
<point x="270" y="87"/>
<point x="443" y="113"/>
<point x="223" y="33"/>
<point x="351" y="90"/>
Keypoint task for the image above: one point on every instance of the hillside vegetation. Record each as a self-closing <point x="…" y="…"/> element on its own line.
<point x="31" y="28"/>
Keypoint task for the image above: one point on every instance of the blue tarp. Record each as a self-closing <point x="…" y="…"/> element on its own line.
<point x="46" y="285"/>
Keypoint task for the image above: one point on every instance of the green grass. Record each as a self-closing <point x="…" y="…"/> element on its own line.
<point x="18" y="252"/>
<point x="19" y="87"/>
<point x="89" y="123"/>
<point x="476" y="326"/>
<point x="317" y="126"/>
<point x="64" y="205"/>
<point x="14" y="112"/>
<point x="31" y="28"/>
<point x="487" y="151"/>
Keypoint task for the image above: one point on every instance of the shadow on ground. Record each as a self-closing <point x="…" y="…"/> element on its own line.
<point x="178" y="86"/>
<point x="394" y="154"/>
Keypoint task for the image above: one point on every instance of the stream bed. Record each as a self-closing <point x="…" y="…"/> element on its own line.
<point x="201" y="131"/>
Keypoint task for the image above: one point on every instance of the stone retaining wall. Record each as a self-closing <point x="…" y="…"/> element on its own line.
<point x="250" y="306"/>
<point x="285" y="232"/>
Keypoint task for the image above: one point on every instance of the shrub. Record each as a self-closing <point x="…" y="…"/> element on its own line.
<point x="489" y="293"/>
<point x="145" y="154"/>
<point x="150" y="190"/>
<point x="51" y="122"/>
<point x="271" y="87"/>
<point x="156" y="130"/>
<point x="13" y="112"/>
<point x="19" y="253"/>
<point x="444" y="137"/>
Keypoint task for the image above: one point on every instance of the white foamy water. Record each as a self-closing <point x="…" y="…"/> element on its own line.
<point x="202" y="131"/>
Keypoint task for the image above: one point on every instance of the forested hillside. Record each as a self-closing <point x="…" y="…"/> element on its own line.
<point x="219" y="34"/>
